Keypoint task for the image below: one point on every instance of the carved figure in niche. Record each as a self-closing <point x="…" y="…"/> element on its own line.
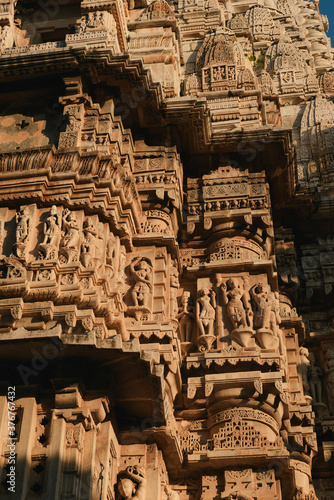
<point x="314" y="374"/>
<point x="329" y="368"/>
<point x="304" y="367"/>
<point x="133" y="485"/>
<point x="206" y="311"/>
<point x="23" y="224"/>
<point x="237" y="302"/>
<point x="110" y="256"/>
<point x="141" y="271"/>
<point x="186" y="318"/>
<point x="267" y="317"/>
<point x="174" y="286"/>
<point x="71" y="237"/>
<point x="267" y="312"/>
<point x="51" y="226"/>
<point x="90" y="252"/>
<point x="122" y="263"/>
<point x="23" y="227"/>
<point x="51" y="229"/>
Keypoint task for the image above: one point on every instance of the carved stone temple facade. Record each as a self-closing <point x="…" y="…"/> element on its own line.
<point x="166" y="250"/>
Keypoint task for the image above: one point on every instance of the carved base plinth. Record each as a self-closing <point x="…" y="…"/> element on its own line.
<point x="320" y="410"/>
<point x="68" y="255"/>
<point x="47" y="251"/>
<point x="142" y="313"/>
<point x="20" y="250"/>
<point x="186" y="348"/>
<point x="89" y="261"/>
<point x="267" y="339"/>
<point x="205" y="342"/>
<point x="244" y="336"/>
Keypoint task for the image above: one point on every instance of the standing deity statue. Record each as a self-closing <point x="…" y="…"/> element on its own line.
<point x="304" y="368"/>
<point x="329" y="368"/>
<point x="72" y="236"/>
<point x="51" y="228"/>
<point x="90" y="253"/>
<point x="237" y="302"/>
<point x="267" y="307"/>
<point x="133" y="485"/>
<point x="206" y="311"/>
<point x="186" y="319"/>
<point x="23" y="225"/>
<point x="267" y="315"/>
<point x="174" y="286"/>
<point x="23" y="228"/>
<point x="141" y="271"/>
<point x="315" y="383"/>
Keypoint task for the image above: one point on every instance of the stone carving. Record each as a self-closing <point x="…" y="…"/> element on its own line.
<point x="133" y="484"/>
<point x="266" y="316"/>
<point x="51" y="230"/>
<point x="90" y="253"/>
<point x="304" y="368"/>
<point x="205" y="317"/>
<point x="314" y="380"/>
<point x="186" y="319"/>
<point x="239" y="310"/>
<point x="71" y="237"/>
<point x="174" y="286"/>
<point x="141" y="271"/>
<point x="329" y="368"/>
<point x="23" y="229"/>
<point x="141" y="293"/>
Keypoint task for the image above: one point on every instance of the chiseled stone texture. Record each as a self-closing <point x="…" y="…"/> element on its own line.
<point x="166" y="250"/>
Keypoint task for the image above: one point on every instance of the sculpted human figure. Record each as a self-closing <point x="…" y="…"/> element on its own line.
<point x="329" y="368"/>
<point x="72" y="236"/>
<point x="267" y="309"/>
<point x="237" y="302"/>
<point x="91" y="234"/>
<point x="133" y="485"/>
<point x="206" y="311"/>
<point x="186" y="318"/>
<point x="174" y="286"/>
<point x="142" y="273"/>
<point x="23" y="224"/>
<point x="304" y="367"/>
<point x="51" y="226"/>
<point x="314" y="374"/>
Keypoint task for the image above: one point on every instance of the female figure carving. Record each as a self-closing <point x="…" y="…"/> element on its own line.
<point x="237" y="302"/>
<point x="133" y="485"/>
<point x="206" y="311"/>
<point x="72" y="236"/>
<point x="51" y="227"/>
<point x="142" y="273"/>
<point x="22" y="225"/>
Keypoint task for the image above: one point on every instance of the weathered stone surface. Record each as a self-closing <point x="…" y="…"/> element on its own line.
<point x="166" y="250"/>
